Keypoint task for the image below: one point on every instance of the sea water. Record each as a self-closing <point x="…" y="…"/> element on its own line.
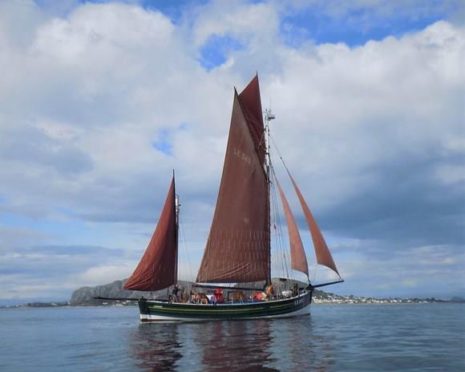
<point x="415" y="337"/>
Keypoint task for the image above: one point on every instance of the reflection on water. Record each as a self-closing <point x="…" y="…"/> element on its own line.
<point x="335" y="337"/>
<point x="156" y="346"/>
<point x="236" y="345"/>
<point x="231" y="345"/>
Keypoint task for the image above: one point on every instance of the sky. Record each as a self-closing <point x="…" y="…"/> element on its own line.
<point x="100" y="100"/>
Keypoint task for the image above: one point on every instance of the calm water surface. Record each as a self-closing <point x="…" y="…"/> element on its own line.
<point x="333" y="338"/>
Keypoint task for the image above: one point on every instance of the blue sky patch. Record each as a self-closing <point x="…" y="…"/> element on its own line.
<point x="356" y="28"/>
<point x="163" y="142"/>
<point x="216" y="49"/>
<point x="173" y="9"/>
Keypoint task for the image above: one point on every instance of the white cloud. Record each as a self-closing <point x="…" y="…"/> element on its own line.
<point x="352" y="109"/>
<point x="451" y="174"/>
<point x="249" y="22"/>
<point x="102" y="274"/>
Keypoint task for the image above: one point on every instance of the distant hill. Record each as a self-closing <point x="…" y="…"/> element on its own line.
<point x="86" y="296"/>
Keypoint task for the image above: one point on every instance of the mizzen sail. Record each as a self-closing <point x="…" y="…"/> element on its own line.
<point x="323" y="255"/>
<point x="298" y="257"/>
<point x="158" y="267"/>
<point x="238" y="246"/>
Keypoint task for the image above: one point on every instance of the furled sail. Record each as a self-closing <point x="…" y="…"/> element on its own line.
<point x="238" y="246"/>
<point x="323" y="255"/>
<point x="158" y="267"/>
<point x="298" y="257"/>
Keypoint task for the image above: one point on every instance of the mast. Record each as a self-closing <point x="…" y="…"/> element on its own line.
<point x="268" y="117"/>
<point x="177" y="206"/>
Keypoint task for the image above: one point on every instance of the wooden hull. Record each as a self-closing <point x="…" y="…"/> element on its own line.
<point x="152" y="310"/>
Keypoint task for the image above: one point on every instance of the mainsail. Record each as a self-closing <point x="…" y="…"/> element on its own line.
<point x="238" y="246"/>
<point x="298" y="257"/>
<point x="158" y="267"/>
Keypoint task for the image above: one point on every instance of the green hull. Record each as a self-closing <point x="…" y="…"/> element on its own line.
<point x="152" y="310"/>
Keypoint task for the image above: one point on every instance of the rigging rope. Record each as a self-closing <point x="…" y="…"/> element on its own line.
<point x="279" y="154"/>
<point x="184" y="247"/>
<point x="277" y="224"/>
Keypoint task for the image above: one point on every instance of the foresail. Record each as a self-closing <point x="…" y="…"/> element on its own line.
<point x="323" y="255"/>
<point x="238" y="246"/>
<point x="158" y="267"/>
<point x="298" y="257"/>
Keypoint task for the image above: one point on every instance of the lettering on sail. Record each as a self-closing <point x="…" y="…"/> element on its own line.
<point x="242" y="156"/>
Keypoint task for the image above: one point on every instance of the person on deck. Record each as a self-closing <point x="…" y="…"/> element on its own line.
<point x="269" y="290"/>
<point x="295" y="289"/>
<point x="212" y="299"/>
<point x="174" y="293"/>
<point x="193" y="298"/>
<point x="218" y="294"/>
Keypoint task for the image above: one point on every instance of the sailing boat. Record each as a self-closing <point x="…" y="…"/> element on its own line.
<point x="238" y="249"/>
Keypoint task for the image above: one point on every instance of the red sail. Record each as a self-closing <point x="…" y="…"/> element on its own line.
<point x="323" y="255"/>
<point x="238" y="247"/>
<point x="158" y="267"/>
<point x="298" y="257"/>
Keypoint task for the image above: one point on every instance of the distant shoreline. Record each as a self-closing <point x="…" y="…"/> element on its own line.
<point x="99" y="295"/>
<point x="326" y="299"/>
